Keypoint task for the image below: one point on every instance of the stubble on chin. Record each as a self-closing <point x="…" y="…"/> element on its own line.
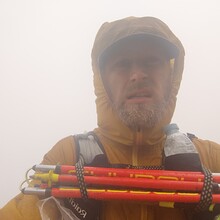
<point x="141" y="116"/>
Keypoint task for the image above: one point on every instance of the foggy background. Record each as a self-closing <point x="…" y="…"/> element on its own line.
<point x="46" y="88"/>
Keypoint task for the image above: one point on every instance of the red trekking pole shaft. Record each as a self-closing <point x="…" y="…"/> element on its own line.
<point x="131" y="173"/>
<point x="102" y="194"/>
<point x="143" y="183"/>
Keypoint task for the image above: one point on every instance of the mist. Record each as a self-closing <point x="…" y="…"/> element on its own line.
<point x="46" y="80"/>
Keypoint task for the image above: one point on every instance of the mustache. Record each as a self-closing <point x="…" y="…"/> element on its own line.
<point x="142" y="85"/>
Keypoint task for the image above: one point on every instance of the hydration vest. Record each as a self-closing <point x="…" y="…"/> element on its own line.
<point x="90" y="152"/>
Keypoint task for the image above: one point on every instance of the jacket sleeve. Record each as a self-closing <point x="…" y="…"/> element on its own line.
<point x="209" y="152"/>
<point x="24" y="207"/>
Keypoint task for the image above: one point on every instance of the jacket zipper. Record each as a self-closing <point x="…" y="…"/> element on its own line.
<point x="137" y="143"/>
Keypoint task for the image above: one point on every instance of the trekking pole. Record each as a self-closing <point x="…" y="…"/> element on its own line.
<point x="131" y="173"/>
<point x="105" y="194"/>
<point x="143" y="183"/>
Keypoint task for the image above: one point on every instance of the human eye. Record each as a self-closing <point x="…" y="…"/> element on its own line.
<point x="123" y="64"/>
<point x="153" y="62"/>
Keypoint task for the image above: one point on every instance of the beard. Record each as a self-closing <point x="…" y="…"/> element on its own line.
<point x="141" y="116"/>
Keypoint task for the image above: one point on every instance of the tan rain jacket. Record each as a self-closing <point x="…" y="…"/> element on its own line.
<point x="121" y="144"/>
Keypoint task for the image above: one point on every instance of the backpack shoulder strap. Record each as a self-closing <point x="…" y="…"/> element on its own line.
<point x="90" y="150"/>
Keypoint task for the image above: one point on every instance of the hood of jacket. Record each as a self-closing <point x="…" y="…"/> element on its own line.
<point x="109" y="124"/>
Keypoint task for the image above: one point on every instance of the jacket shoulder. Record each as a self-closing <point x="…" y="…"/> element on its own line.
<point x="22" y="207"/>
<point x="63" y="152"/>
<point x="25" y="207"/>
<point x="209" y="152"/>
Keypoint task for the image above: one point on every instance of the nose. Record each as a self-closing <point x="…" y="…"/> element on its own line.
<point x="137" y="73"/>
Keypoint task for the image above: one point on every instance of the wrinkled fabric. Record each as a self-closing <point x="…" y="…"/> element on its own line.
<point x="65" y="214"/>
<point x="121" y="144"/>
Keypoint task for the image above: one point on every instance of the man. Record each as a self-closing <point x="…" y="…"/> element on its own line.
<point x="137" y="65"/>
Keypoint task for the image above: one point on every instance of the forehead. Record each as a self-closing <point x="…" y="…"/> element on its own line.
<point x="146" y="47"/>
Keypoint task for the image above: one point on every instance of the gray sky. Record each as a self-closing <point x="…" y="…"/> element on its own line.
<point x="46" y="89"/>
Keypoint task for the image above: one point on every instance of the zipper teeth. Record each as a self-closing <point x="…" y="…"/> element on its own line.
<point x="134" y="159"/>
<point x="137" y="143"/>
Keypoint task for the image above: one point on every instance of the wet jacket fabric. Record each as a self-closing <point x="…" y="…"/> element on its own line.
<point x="121" y="144"/>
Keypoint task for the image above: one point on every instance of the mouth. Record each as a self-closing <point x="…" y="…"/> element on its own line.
<point x="139" y="96"/>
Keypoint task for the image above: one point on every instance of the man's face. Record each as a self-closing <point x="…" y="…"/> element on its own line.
<point x="137" y="78"/>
